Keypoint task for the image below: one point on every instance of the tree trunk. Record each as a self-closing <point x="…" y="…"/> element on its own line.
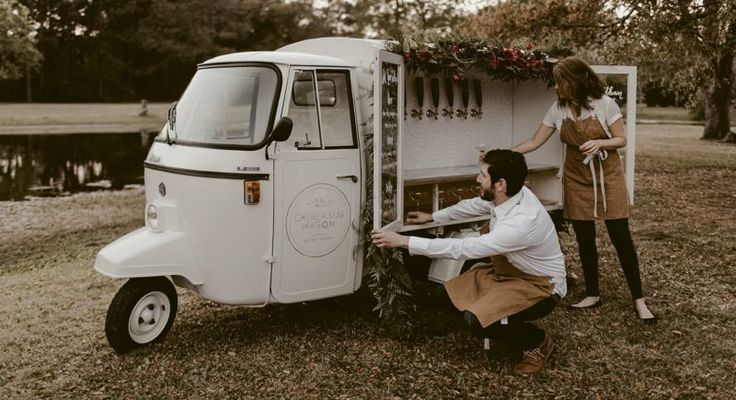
<point x="730" y="138"/>
<point x="717" y="124"/>
<point x="29" y="98"/>
<point x="718" y="97"/>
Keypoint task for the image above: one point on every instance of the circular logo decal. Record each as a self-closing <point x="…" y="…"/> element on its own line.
<point x="318" y="220"/>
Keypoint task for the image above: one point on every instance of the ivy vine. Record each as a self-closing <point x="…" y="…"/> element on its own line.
<point x="384" y="271"/>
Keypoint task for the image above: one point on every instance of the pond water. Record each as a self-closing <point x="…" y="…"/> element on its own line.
<point x="53" y="165"/>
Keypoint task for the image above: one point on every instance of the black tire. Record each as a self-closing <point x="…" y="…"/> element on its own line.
<point x="153" y="300"/>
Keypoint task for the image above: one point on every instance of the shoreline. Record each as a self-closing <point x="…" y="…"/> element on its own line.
<point x="155" y="127"/>
<point x="17" y="119"/>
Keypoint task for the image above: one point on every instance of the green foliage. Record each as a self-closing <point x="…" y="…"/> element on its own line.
<point x="389" y="18"/>
<point x="454" y="56"/>
<point x="127" y="50"/>
<point x="17" y="42"/>
<point x="686" y="46"/>
<point x="389" y="283"/>
<point x="384" y="270"/>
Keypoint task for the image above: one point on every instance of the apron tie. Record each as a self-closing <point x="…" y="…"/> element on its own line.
<point x="589" y="161"/>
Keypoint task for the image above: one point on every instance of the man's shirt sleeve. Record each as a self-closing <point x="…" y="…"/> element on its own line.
<point x="503" y="239"/>
<point x="468" y="208"/>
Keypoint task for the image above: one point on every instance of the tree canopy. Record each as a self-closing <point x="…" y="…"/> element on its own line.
<point x="685" y="45"/>
<point x="114" y="50"/>
<point x="17" y="43"/>
<point x="117" y="50"/>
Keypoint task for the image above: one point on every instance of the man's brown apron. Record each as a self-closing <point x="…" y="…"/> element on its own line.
<point x="495" y="291"/>
<point x="596" y="190"/>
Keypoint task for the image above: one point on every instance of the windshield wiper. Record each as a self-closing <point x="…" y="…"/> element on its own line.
<point x="171" y="121"/>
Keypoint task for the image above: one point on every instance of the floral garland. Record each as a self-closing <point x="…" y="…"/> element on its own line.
<point x="454" y="57"/>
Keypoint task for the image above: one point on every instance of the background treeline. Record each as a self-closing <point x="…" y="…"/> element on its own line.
<point x="120" y="50"/>
<point x="123" y="50"/>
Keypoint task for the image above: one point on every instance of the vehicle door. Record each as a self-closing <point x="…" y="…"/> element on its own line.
<point x="317" y="188"/>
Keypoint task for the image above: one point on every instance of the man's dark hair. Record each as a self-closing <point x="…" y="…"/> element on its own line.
<point x="508" y="165"/>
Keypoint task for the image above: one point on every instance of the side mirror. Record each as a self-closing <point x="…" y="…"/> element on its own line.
<point x="282" y="130"/>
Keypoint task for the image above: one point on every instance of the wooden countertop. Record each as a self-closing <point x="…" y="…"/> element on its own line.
<point x="453" y="174"/>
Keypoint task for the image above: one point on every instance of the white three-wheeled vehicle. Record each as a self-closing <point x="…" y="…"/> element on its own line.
<point x="254" y="188"/>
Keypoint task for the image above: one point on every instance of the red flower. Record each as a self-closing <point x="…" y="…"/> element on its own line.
<point x="494" y="61"/>
<point x="407" y="56"/>
<point x="455" y="48"/>
<point x="529" y="45"/>
<point x="517" y="53"/>
<point x="508" y="53"/>
<point x="456" y="77"/>
<point x="532" y="63"/>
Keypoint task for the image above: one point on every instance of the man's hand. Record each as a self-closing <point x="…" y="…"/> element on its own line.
<point x="418" y="217"/>
<point x="389" y="239"/>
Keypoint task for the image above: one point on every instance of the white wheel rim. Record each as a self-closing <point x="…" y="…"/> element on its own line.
<point x="149" y="317"/>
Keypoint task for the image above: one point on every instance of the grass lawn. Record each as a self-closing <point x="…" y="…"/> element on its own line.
<point x="53" y="118"/>
<point x="75" y="117"/>
<point x="663" y="113"/>
<point x="52" y="341"/>
<point x="78" y="113"/>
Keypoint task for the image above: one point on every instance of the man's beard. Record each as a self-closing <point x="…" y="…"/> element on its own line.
<point x="487" y="195"/>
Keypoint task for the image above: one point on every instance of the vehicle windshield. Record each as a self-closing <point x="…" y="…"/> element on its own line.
<point x="226" y="106"/>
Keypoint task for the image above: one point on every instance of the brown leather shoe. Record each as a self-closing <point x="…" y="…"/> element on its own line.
<point x="534" y="359"/>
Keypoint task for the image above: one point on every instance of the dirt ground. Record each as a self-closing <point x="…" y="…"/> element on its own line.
<point x="52" y="341"/>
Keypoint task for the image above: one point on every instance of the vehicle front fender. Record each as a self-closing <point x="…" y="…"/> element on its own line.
<point x="144" y="253"/>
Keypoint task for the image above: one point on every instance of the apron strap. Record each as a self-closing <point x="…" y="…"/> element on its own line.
<point x="589" y="161"/>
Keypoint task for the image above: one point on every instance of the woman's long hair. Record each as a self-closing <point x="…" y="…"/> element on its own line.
<point x="583" y="82"/>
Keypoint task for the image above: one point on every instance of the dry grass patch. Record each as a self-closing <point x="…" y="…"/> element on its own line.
<point x="52" y="341"/>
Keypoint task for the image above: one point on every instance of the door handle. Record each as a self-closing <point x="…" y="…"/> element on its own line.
<point x="353" y="178"/>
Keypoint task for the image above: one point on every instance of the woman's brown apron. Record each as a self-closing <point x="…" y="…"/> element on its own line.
<point x="596" y="189"/>
<point x="495" y="291"/>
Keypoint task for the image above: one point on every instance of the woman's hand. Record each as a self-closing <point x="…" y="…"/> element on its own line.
<point x="590" y="147"/>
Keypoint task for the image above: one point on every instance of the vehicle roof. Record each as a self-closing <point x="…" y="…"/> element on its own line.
<point x="279" y="57"/>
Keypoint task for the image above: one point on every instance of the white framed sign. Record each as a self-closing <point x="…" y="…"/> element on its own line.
<point x="388" y="114"/>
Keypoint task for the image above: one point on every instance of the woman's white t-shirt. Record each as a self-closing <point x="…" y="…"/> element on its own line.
<point x="604" y="109"/>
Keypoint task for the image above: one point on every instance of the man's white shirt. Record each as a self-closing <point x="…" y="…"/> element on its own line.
<point x="520" y="228"/>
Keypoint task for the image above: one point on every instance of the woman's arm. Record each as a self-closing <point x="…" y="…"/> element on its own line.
<point x="616" y="142"/>
<point x="540" y="137"/>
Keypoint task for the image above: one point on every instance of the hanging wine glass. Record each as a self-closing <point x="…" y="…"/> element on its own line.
<point x="418" y="196"/>
<point x="441" y="198"/>
<point x="459" y="193"/>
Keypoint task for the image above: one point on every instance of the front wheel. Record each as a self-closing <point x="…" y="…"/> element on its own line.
<point x="141" y="312"/>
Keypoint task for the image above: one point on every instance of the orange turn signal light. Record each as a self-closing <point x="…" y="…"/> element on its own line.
<point x="252" y="192"/>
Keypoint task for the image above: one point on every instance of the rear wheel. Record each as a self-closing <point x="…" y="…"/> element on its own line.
<point x="141" y="312"/>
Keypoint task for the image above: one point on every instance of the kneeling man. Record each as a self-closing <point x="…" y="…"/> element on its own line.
<point x="526" y="278"/>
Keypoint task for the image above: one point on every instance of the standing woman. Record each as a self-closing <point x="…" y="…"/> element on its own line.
<point x="591" y="125"/>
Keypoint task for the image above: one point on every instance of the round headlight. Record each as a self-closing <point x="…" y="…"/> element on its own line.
<point x="152" y="216"/>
